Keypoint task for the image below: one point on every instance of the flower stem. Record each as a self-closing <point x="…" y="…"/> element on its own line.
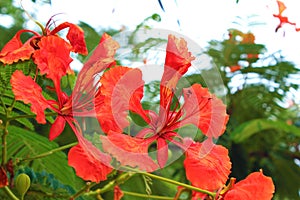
<point x="10" y="193"/>
<point x="48" y="152"/>
<point x="146" y="196"/>
<point x="109" y="186"/>
<point x="82" y="190"/>
<point x="212" y="194"/>
<point x="4" y="145"/>
<point x="179" y="184"/>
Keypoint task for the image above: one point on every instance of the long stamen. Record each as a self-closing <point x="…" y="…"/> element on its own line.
<point x="31" y="18"/>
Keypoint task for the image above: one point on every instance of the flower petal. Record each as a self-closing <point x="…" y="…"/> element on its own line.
<point x="129" y="151"/>
<point x="15" y="50"/>
<point x="75" y="35"/>
<point x="28" y="91"/>
<point x="204" y="110"/>
<point x="89" y="162"/>
<point x="255" y="186"/>
<point x="119" y="94"/>
<point x="53" y="61"/>
<point x="207" y="165"/>
<point x="102" y="57"/>
<point x="118" y="194"/>
<point x="178" y="60"/>
<point x="162" y="152"/>
<point x="57" y="127"/>
<point x="3" y="177"/>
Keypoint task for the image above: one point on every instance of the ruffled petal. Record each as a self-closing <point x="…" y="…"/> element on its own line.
<point x="204" y="110"/>
<point x="178" y="60"/>
<point x="89" y="162"/>
<point x="53" y="61"/>
<point x="15" y="50"/>
<point x="255" y="186"/>
<point x="119" y="94"/>
<point x="129" y="151"/>
<point x="75" y="35"/>
<point x="207" y="165"/>
<point x="28" y="91"/>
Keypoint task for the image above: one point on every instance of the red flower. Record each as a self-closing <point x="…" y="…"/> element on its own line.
<point x="282" y="19"/>
<point x="88" y="161"/>
<point x="55" y="66"/>
<point x="3" y="177"/>
<point x="235" y="68"/>
<point x="118" y="95"/>
<point x="207" y="165"/>
<point x="118" y="194"/>
<point x="27" y="90"/>
<point x="129" y="151"/>
<point x="15" y="50"/>
<point x="254" y="186"/>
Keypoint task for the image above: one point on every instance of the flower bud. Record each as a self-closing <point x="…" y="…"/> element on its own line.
<point x="22" y="183"/>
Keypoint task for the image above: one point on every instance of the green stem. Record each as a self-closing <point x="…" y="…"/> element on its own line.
<point x="82" y="190"/>
<point x="109" y="186"/>
<point x="146" y="196"/>
<point x="212" y="194"/>
<point x="4" y="145"/>
<point x="3" y="104"/>
<point x="48" y="152"/>
<point x="10" y="193"/>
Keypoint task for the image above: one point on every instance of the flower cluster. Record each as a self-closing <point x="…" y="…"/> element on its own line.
<point x="118" y="93"/>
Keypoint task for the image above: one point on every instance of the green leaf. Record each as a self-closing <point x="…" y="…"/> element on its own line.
<point x="23" y="143"/>
<point x="247" y="129"/>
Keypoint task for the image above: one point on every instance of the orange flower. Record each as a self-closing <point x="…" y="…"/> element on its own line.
<point x="15" y="50"/>
<point x="282" y="19"/>
<point x="118" y="95"/>
<point x="118" y="194"/>
<point x="254" y="186"/>
<point x="207" y="165"/>
<point x="52" y="60"/>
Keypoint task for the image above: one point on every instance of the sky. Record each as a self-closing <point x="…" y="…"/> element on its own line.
<point x="201" y="20"/>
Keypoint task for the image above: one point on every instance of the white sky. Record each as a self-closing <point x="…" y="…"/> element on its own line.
<point x="200" y="20"/>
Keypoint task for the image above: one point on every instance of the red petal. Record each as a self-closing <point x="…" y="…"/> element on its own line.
<point x="207" y="165"/>
<point x="89" y="162"/>
<point x="101" y="58"/>
<point x="254" y="186"/>
<point x="75" y="36"/>
<point x="162" y="152"/>
<point x="3" y="178"/>
<point x="51" y="60"/>
<point x="118" y="194"/>
<point x="15" y="50"/>
<point x="119" y="94"/>
<point x="204" y="110"/>
<point x="57" y="127"/>
<point x="198" y="195"/>
<point x="129" y="151"/>
<point x="177" y="62"/>
<point x="25" y="89"/>
<point x="281" y="7"/>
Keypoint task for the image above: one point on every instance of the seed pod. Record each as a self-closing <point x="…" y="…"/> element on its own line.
<point x="22" y="184"/>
